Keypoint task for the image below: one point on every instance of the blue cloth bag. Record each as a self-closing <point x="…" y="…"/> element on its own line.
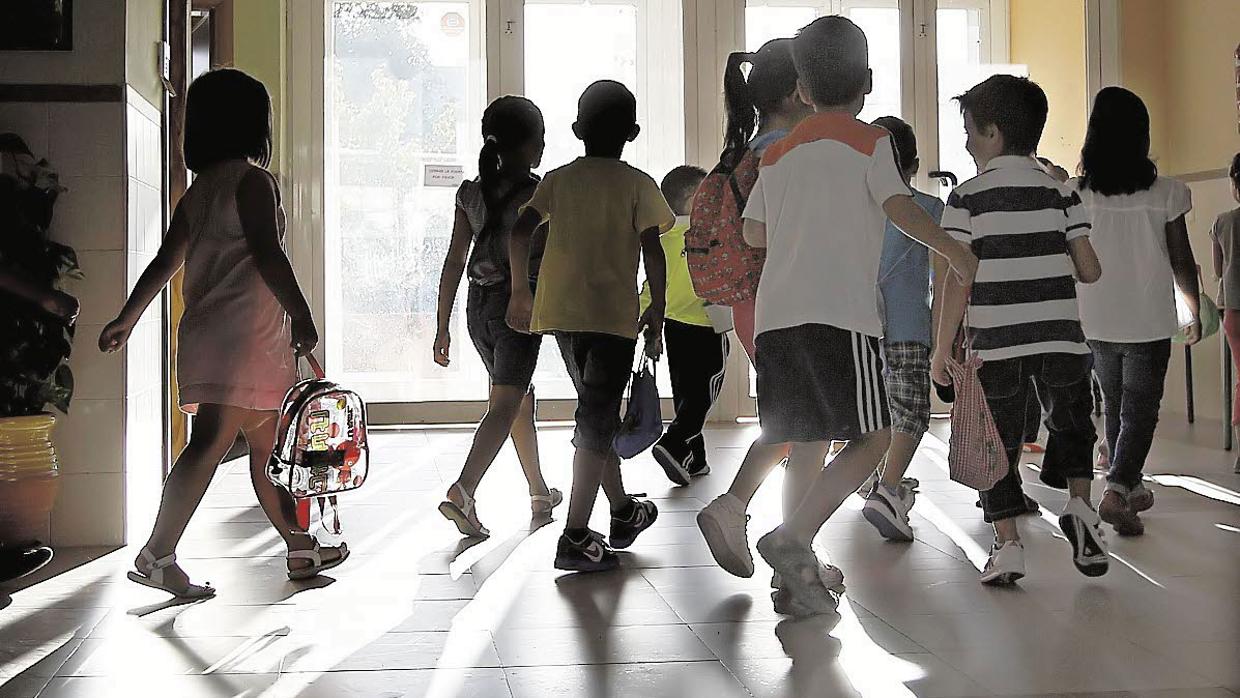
<point x="643" y="419"/>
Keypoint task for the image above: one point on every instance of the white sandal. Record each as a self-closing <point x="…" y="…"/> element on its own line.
<point x="316" y="565"/>
<point x="463" y="516"/>
<point x="545" y="503"/>
<point x="154" y="577"/>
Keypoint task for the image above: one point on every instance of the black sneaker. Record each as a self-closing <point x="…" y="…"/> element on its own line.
<point x="588" y="555"/>
<point x="674" y="457"/>
<point x="625" y="528"/>
<point x="697" y="463"/>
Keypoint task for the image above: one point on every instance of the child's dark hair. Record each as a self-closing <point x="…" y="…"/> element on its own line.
<point x="606" y="114"/>
<point x="1116" y="156"/>
<point x="1234" y="172"/>
<point x="227" y="116"/>
<point x="508" y="124"/>
<point x="680" y="185"/>
<point x="772" y="78"/>
<point x="832" y="57"/>
<point x="902" y="139"/>
<point x="1016" y="106"/>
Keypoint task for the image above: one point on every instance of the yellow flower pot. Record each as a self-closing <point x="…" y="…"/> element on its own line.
<point x="29" y="478"/>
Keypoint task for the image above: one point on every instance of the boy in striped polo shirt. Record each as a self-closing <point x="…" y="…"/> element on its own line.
<point x="1031" y="236"/>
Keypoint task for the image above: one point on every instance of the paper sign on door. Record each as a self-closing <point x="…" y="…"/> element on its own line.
<point x="443" y="175"/>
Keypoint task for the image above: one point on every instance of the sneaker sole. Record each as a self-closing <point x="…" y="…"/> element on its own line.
<point x="675" y="472"/>
<point x="886" y="527"/>
<point x="1004" y="579"/>
<point x="716" y="541"/>
<point x="1069" y="525"/>
<point x="586" y="566"/>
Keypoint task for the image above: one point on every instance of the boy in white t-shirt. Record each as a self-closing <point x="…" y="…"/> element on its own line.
<point x="820" y="208"/>
<point x="1129" y="315"/>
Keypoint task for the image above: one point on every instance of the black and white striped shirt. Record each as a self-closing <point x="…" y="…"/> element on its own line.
<point x="1018" y="221"/>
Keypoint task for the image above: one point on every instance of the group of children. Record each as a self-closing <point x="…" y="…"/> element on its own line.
<point x="842" y="332"/>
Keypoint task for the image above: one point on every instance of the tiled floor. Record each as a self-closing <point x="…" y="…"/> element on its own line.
<point x="417" y="612"/>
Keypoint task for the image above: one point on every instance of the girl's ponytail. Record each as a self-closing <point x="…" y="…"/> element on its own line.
<point x="508" y="124"/>
<point x="742" y="114"/>
<point x="488" y="169"/>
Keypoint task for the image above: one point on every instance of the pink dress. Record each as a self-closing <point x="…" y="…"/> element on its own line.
<point x="234" y="340"/>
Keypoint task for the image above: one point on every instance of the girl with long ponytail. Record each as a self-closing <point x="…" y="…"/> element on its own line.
<point x="486" y="209"/>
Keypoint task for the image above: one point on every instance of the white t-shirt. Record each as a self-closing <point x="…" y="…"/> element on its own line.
<point x="820" y="193"/>
<point x="1134" y="301"/>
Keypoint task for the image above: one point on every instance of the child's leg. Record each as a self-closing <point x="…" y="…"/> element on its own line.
<point x="834" y="484"/>
<point x="804" y="465"/>
<point x="1007" y="387"/>
<point x="215" y="429"/>
<point x="588" y="468"/>
<point x="525" y="441"/>
<point x="1063" y="385"/>
<point x="276" y="502"/>
<point x="502" y="409"/>
<point x="696" y="357"/>
<point x="759" y="461"/>
<point x="908" y="391"/>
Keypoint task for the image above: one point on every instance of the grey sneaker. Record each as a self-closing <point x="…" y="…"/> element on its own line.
<point x="722" y="523"/>
<point x="798" y="570"/>
<point x="887" y="510"/>
<point x="832" y="578"/>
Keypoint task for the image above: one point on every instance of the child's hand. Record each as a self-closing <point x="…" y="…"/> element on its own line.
<point x="443" y="345"/>
<point x="305" y="335"/>
<point x="938" y="369"/>
<point x="652" y="323"/>
<point x="520" y="311"/>
<point x="114" y="336"/>
<point x="1192" y="333"/>
<point x="964" y="264"/>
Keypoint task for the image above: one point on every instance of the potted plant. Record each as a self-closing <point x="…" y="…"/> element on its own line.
<point x="36" y="336"/>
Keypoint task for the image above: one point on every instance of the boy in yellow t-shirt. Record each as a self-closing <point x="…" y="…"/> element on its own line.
<point x="697" y="349"/>
<point x="601" y="213"/>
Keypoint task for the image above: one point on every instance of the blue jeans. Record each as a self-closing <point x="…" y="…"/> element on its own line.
<point x="1063" y="391"/>
<point x="1132" y="376"/>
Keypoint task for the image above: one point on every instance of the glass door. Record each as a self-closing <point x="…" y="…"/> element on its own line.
<point x="404" y="91"/>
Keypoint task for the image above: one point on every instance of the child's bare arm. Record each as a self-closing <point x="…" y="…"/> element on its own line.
<point x="167" y="261"/>
<point x="1184" y="268"/>
<point x="258" y="203"/>
<point x="656" y="275"/>
<point x="951" y="314"/>
<point x="521" y="303"/>
<point x="754" y="233"/>
<point x="449" y="281"/>
<point x="1085" y="260"/>
<point x="1218" y="252"/>
<point x="57" y="303"/>
<point x="917" y="224"/>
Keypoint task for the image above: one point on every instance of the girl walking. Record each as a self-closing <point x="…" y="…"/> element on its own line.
<point x="245" y="322"/>
<point x="1226" y="237"/>
<point x="1129" y="315"/>
<point x="486" y="209"/>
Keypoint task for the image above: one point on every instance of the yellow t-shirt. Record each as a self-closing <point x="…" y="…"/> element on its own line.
<point x="596" y="209"/>
<point x="683" y="305"/>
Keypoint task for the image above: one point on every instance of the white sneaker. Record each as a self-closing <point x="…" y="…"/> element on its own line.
<point x="1006" y="564"/>
<point x="1083" y="528"/>
<point x="722" y="523"/>
<point x="832" y="578"/>
<point x="887" y="510"/>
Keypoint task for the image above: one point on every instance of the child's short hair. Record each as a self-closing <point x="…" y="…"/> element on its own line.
<point x="902" y="137"/>
<point x="1234" y="172"/>
<point x="1014" y="105"/>
<point x="227" y="116"/>
<point x="833" y="60"/>
<point x="606" y="113"/>
<point x="680" y="185"/>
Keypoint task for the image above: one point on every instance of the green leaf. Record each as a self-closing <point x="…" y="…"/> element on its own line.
<point x="63" y="393"/>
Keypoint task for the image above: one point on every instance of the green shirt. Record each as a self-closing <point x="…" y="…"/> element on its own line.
<point x="683" y="305"/>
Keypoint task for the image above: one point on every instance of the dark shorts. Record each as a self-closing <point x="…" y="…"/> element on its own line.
<point x="819" y="383"/>
<point x="509" y="356"/>
<point x="599" y="365"/>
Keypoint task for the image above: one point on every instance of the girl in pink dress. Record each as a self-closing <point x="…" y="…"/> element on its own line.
<point x="245" y="322"/>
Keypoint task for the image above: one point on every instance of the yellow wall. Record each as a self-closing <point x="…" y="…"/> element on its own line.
<point x="259" y="43"/>
<point x="144" y="29"/>
<point x="1048" y="36"/>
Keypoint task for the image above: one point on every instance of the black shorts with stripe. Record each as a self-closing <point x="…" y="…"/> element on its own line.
<point x="819" y="383"/>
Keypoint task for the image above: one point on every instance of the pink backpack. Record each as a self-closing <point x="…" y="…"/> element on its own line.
<point x="975" y="457"/>
<point x="724" y="269"/>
